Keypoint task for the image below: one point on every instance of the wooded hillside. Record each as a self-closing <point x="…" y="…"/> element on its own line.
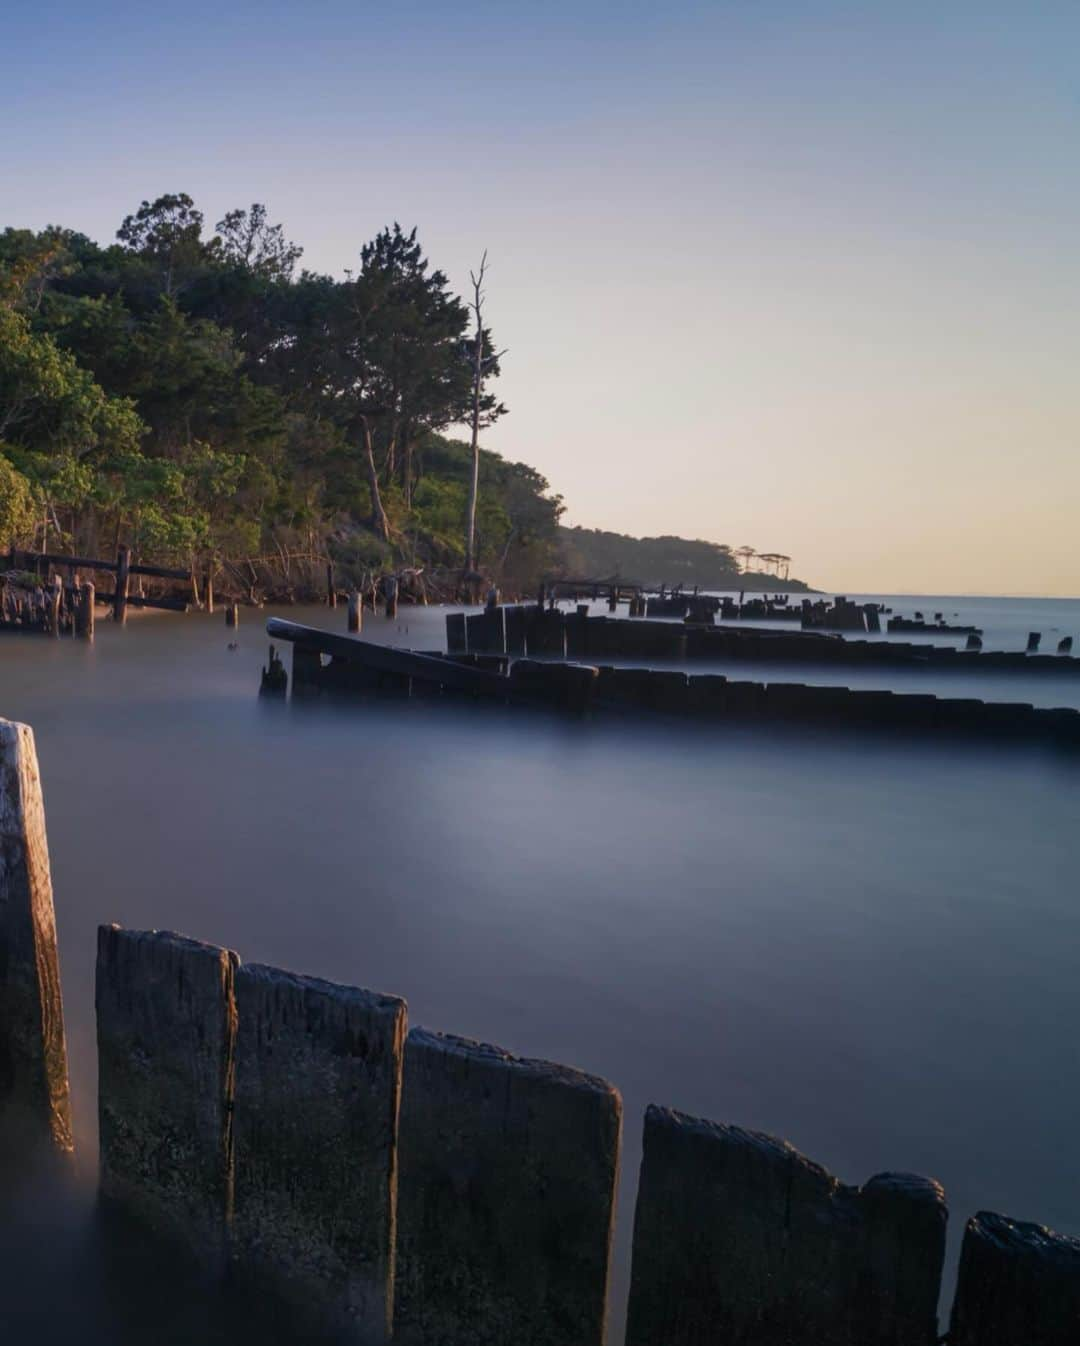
<point x="661" y="560"/>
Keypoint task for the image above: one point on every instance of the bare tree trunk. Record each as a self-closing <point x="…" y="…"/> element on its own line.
<point x="379" y="521"/>
<point x="478" y="383"/>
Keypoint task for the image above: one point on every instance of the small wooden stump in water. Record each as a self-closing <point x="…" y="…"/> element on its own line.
<point x="275" y="681"/>
<point x="356" y="612"/>
<point x="232" y="615"/>
<point x="84" y="612"/>
<point x="391" y="597"/>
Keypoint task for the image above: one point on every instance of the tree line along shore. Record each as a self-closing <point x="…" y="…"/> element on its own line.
<point x="202" y="398"/>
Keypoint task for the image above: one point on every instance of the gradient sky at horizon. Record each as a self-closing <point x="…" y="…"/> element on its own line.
<point x="796" y="275"/>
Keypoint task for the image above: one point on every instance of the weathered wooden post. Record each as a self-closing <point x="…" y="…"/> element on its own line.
<point x="493" y="597"/>
<point x="506" y="1198"/>
<point x="1016" y="1283"/>
<point x="738" y="1237"/>
<point x="210" y="587"/>
<point x="1034" y="637"/>
<point x="232" y="614"/>
<point x="318" y="1085"/>
<point x="35" y="1109"/>
<point x="56" y="599"/>
<point x="275" y="681"/>
<point x="455" y="633"/>
<point x="84" y="611"/>
<point x="123" y="566"/>
<point x="1065" y="645"/>
<point x="331" y="590"/>
<point x="166" y="1030"/>
<point x="356" y="612"/>
<point x="391" y="587"/>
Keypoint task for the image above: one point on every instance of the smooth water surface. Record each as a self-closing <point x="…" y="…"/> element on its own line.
<point x="864" y="945"/>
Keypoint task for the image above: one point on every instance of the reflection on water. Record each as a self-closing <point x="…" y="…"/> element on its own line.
<point x="865" y="946"/>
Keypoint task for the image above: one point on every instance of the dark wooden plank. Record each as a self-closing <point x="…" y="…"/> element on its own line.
<point x="32" y="560"/>
<point x="161" y="573"/>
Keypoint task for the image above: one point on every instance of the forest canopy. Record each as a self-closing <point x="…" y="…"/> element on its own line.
<point x="196" y="395"/>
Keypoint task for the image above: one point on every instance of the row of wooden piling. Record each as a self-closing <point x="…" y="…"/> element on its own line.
<point x="381" y="1185"/>
<point x="528" y="629"/>
<point x="55" y="609"/>
<point x="325" y="665"/>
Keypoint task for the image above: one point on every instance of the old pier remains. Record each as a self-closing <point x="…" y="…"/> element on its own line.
<point x="538" y="671"/>
<point x="285" y="1132"/>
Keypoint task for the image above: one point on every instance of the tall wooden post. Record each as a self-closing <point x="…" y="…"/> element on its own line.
<point x="35" y="1111"/>
<point x="331" y="592"/>
<point x="210" y="587"/>
<point x="356" y="614"/>
<point x="123" y="567"/>
<point x="391" y="596"/>
<point x="232" y="615"/>
<point x="56" y="598"/>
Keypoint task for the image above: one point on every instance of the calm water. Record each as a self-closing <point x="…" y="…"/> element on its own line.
<point x="868" y="947"/>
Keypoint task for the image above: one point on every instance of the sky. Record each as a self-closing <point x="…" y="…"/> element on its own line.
<point x="792" y="275"/>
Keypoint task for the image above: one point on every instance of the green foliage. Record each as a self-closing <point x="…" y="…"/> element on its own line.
<point x="18" y="505"/>
<point x="191" y="394"/>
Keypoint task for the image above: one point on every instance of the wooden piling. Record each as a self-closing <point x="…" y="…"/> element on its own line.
<point x="35" y="1108"/>
<point x="232" y="614"/>
<point x="1017" y="1282"/>
<point x="1034" y="637"/>
<point x="455" y="633"/>
<point x="56" y="599"/>
<point x="166" y="1030"/>
<point x="391" y="588"/>
<point x="356" y="612"/>
<point x="506" y="1198"/>
<point x="84" y="611"/>
<point x="123" y="566"/>
<point x="210" y="587"/>
<point x="331" y="589"/>
<point x="318" y="1085"/>
<point x="738" y="1237"/>
<point x="275" y="681"/>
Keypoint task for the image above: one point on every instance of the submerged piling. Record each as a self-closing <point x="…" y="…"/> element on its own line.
<point x="35" y="1108"/>
<point x="506" y="1200"/>
<point x="355" y="620"/>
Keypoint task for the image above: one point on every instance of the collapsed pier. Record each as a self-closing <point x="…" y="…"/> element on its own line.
<point x="528" y="655"/>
